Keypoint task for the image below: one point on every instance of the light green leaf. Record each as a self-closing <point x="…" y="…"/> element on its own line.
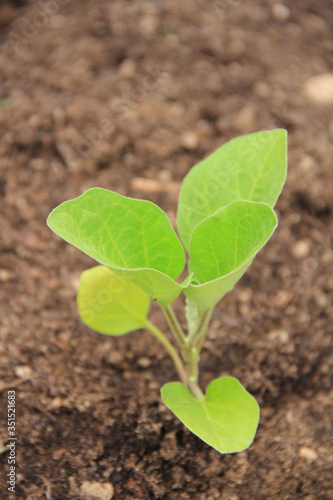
<point x="223" y="246"/>
<point x="209" y="294"/>
<point x="226" y="418"/>
<point x="252" y="167"/>
<point x="132" y="237"/>
<point x="111" y="304"/>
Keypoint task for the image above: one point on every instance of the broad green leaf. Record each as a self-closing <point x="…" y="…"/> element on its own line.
<point x="223" y="246"/>
<point x="226" y="418"/>
<point x="111" y="304"/>
<point x="252" y="167"/>
<point x="132" y="237"/>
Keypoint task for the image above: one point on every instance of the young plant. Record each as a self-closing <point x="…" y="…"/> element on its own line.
<point x="225" y="216"/>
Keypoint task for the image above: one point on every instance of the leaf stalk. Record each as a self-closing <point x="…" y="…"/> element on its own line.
<point x="174" y="325"/>
<point x="190" y="346"/>
<point x="198" y="337"/>
<point x="171" y="350"/>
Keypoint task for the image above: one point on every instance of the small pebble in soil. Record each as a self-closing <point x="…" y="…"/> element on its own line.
<point x="280" y="335"/>
<point x="261" y="89"/>
<point x="144" y="362"/>
<point x="96" y="491"/>
<point x="283" y="297"/>
<point x="148" y="26"/>
<point x="164" y="175"/>
<point x="127" y="69"/>
<point x="115" y="357"/>
<point x="307" y="164"/>
<point x="319" y="89"/>
<point x="300" y="249"/>
<point x="24" y="372"/>
<point x="308" y="453"/>
<point x="321" y="299"/>
<point x="244" y="121"/>
<point x="57" y="454"/>
<point x="189" y="140"/>
<point x="6" y="275"/>
<point x="280" y="12"/>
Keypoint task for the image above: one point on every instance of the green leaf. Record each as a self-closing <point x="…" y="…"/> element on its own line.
<point x="223" y="246"/>
<point x="132" y="237"/>
<point x="226" y="418"/>
<point x="252" y="167"/>
<point x="111" y="304"/>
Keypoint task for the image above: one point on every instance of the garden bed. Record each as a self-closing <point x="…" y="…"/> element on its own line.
<point x="117" y="95"/>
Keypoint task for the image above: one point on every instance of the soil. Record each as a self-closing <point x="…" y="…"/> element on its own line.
<point x="98" y="93"/>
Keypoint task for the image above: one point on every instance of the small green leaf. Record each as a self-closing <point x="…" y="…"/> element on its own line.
<point x="223" y="246"/>
<point x="252" y="167"/>
<point x="226" y="418"/>
<point x="231" y="236"/>
<point x="132" y="237"/>
<point x="111" y="304"/>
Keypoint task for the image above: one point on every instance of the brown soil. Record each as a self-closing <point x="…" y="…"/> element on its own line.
<point x="107" y="91"/>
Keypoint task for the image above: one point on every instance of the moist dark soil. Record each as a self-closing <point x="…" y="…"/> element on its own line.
<point x="100" y="93"/>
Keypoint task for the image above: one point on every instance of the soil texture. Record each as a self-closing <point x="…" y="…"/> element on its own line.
<point x="116" y="94"/>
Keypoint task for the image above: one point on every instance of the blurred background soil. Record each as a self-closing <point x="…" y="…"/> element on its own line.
<point x="116" y="94"/>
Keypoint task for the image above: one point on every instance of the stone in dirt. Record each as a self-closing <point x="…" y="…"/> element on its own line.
<point x="319" y="88"/>
<point x="96" y="491"/>
<point x="308" y="453"/>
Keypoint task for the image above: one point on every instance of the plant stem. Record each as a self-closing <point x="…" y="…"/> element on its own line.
<point x="191" y="357"/>
<point x="171" y="350"/>
<point x="190" y="347"/>
<point x="191" y="353"/>
<point x="199" y="336"/>
<point x="195" y="390"/>
<point x="174" y="325"/>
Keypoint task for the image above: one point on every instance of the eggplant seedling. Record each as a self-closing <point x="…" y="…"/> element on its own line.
<point x="225" y="216"/>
